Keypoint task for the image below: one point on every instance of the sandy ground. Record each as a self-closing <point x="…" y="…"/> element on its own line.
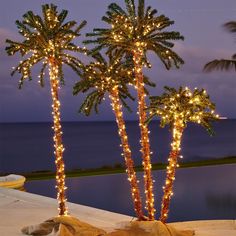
<point x="19" y="209"/>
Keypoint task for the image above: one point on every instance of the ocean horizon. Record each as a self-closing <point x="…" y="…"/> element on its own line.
<point x="28" y="146"/>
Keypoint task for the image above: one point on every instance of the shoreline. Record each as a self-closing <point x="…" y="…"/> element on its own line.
<point x="44" y="175"/>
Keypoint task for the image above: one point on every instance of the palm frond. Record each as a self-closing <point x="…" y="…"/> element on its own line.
<point x="116" y="8"/>
<point x="46" y="38"/>
<point x="92" y="100"/>
<point x="125" y="104"/>
<point x="41" y="75"/>
<point x="141" y="8"/>
<point x="130" y="6"/>
<point x="62" y="16"/>
<point x="183" y="105"/>
<point x="128" y="28"/>
<point x="81" y="26"/>
<point x="230" y="26"/>
<point x="222" y="64"/>
<point x="102" y="76"/>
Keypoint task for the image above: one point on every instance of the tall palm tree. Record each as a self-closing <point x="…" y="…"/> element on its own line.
<point x="131" y="33"/>
<point x="49" y="40"/>
<point x="224" y="64"/>
<point x="111" y="77"/>
<point x="176" y="108"/>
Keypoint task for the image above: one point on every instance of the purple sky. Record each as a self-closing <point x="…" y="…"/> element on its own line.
<point x="205" y="39"/>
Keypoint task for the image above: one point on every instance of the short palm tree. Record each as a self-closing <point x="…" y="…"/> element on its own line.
<point x="48" y="40"/>
<point x="131" y="33"/>
<point x="177" y="108"/>
<point x="111" y="77"/>
<point x="223" y="64"/>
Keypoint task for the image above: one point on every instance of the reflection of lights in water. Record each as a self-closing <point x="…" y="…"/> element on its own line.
<point x="225" y="201"/>
<point x="205" y="183"/>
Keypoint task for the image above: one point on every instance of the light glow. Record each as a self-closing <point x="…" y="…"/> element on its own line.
<point x="176" y="108"/>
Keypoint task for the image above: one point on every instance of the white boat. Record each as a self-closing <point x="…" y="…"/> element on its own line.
<point x="12" y="181"/>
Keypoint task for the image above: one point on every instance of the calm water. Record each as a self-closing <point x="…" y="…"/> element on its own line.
<point x="199" y="193"/>
<point x="28" y="146"/>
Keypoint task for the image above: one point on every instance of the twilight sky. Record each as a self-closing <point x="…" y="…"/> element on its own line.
<point x="199" y="21"/>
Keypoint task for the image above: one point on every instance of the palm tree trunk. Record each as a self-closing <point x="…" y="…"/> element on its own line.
<point x="117" y="107"/>
<point x="60" y="172"/>
<point x="145" y="146"/>
<point x="171" y="169"/>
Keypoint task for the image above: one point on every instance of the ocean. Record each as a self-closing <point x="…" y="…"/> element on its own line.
<point x="26" y="147"/>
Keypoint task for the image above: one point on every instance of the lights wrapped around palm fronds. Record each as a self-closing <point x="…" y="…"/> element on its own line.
<point x="131" y="33"/>
<point x="49" y="40"/>
<point x="176" y="108"/>
<point x="112" y="77"/>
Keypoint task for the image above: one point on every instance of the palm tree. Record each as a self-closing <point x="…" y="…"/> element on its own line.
<point x="48" y="40"/>
<point x="223" y="64"/>
<point x="131" y="33"/>
<point x="111" y="77"/>
<point x="176" y="108"/>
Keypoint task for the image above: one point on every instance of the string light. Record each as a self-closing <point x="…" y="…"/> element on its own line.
<point x="117" y="108"/>
<point x="112" y="77"/>
<point x="47" y="40"/>
<point x="59" y="148"/>
<point x="177" y="108"/>
<point x="133" y="33"/>
<point x="171" y="168"/>
<point x="145" y="145"/>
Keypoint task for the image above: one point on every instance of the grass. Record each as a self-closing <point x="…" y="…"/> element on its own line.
<point x="106" y="170"/>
